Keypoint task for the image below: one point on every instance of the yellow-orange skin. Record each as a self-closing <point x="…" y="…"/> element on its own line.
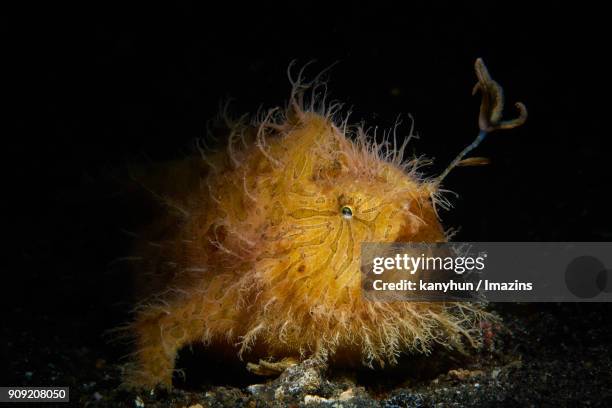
<point x="255" y="256"/>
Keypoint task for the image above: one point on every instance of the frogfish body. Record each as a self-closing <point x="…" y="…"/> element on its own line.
<point x="258" y="251"/>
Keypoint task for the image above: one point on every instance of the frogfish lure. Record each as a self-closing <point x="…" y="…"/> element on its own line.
<point x="255" y="249"/>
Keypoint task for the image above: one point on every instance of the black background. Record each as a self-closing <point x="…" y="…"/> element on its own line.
<point x="91" y="89"/>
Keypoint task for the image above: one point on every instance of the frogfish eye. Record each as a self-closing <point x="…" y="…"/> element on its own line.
<point x="347" y="212"/>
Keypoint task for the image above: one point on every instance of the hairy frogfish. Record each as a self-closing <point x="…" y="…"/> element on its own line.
<point x="257" y="249"/>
